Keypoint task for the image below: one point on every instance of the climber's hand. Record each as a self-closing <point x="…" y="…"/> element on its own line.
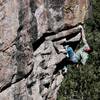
<point x="77" y="65"/>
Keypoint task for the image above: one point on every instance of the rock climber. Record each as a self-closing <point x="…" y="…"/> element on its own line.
<point x="81" y="55"/>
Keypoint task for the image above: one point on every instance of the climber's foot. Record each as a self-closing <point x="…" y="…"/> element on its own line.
<point x="77" y="65"/>
<point x="64" y="71"/>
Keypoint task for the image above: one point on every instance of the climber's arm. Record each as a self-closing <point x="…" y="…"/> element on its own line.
<point x="83" y="36"/>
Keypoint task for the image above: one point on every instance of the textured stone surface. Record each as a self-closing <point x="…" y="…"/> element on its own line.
<point x="31" y="36"/>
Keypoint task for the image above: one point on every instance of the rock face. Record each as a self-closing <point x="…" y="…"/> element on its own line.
<point x="31" y="36"/>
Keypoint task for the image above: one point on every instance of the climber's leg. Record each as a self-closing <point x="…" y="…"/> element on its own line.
<point x="83" y="56"/>
<point x="65" y="69"/>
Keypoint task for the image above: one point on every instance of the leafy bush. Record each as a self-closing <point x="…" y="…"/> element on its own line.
<point x="83" y="83"/>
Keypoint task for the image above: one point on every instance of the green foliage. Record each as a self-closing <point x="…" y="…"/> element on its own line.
<point x="96" y="13"/>
<point x="83" y="83"/>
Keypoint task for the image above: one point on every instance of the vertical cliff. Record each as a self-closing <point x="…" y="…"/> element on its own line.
<point x="31" y="36"/>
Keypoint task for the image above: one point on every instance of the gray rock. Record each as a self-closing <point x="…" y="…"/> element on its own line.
<point x="32" y="33"/>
